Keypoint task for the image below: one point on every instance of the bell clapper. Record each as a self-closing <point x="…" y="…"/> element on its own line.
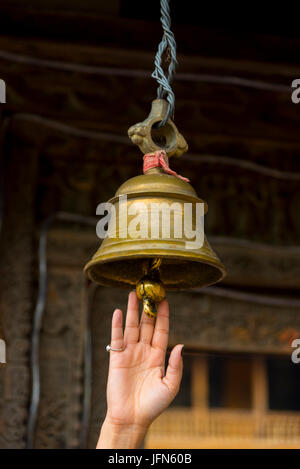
<point x="150" y="288"/>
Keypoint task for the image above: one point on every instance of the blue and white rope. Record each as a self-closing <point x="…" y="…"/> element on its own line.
<point x="167" y="45"/>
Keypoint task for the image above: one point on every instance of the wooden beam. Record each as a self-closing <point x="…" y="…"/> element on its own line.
<point x="95" y="26"/>
<point x="211" y="115"/>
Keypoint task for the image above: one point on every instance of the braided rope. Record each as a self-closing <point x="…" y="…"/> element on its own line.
<point x="166" y="46"/>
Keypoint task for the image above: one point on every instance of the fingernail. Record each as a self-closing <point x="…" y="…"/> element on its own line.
<point x="182" y="349"/>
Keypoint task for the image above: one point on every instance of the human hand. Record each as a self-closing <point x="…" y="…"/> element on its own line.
<point x="138" y="388"/>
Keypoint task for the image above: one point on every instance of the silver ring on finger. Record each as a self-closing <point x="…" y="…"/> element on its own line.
<point x="109" y="348"/>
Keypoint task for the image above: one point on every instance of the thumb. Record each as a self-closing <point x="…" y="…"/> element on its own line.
<point x="174" y="370"/>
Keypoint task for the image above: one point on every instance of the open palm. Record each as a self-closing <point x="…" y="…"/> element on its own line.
<point x="138" y="389"/>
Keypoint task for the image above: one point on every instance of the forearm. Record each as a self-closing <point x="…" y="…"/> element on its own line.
<point x="120" y="436"/>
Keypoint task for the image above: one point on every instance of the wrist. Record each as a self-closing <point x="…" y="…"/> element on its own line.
<point x="117" y="435"/>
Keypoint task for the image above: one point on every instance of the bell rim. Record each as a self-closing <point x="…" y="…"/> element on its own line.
<point x="217" y="264"/>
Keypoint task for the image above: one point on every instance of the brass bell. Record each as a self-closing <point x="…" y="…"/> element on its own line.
<point x="154" y="264"/>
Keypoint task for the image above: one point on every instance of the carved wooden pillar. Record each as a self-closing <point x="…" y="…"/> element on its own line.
<point x="2" y="136"/>
<point x="259" y="385"/>
<point x="62" y="339"/>
<point x="200" y="383"/>
<point x="61" y="361"/>
<point x="16" y="284"/>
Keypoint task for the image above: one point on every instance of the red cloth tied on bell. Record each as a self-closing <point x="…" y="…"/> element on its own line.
<point x="158" y="159"/>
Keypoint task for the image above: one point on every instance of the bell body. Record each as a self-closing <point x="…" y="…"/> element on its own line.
<point x="120" y="258"/>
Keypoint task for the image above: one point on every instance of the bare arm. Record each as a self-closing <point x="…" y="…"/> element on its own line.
<point x="138" y="388"/>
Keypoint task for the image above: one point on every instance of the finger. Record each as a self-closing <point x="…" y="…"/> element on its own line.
<point x="131" y="334"/>
<point x="146" y="329"/>
<point x="117" y="339"/>
<point x="174" y="370"/>
<point x="161" y="330"/>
